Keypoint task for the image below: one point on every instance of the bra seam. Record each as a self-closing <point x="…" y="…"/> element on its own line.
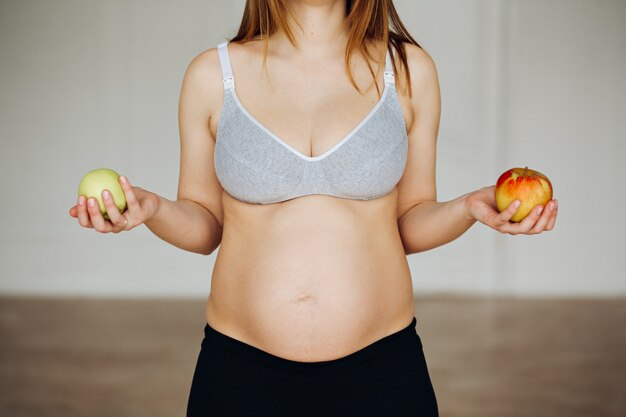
<point x="329" y="194"/>
<point x="241" y="161"/>
<point x="221" y="119"/>
<point x="387" y="155"/>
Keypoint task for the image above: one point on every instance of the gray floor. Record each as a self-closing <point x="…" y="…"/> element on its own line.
<point x="487" y="357"/>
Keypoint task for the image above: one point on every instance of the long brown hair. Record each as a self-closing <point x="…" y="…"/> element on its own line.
<point x="367" y="20"/>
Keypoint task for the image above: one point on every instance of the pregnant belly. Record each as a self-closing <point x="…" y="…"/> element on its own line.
<point x="313" y="299"/>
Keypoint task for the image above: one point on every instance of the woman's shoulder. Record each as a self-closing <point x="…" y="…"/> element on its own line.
<point x="418" y="60"/>
<point x="203" y="76"/>
<point x="421" y="67"/>
<point x="205" y="63"/>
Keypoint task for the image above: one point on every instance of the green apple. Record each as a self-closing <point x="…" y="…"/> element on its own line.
<point x="94" y="182"/>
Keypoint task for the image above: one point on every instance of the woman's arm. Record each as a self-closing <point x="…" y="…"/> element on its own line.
<point x="186" y="224"/>
<point x="183" y="223"/>
<point x="194" y="221"/>
<point x="423" y="222"/>
<point x="434" y="223"/>
<point x="431" y="224"/>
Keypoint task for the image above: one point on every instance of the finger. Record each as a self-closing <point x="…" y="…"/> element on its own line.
<point x="526" y="224"/>
<point x="555" y="212"/>
<point x="83" y="215"/>
<point x="116" y="218"/>
<point x="96" y="217"/>
<point x="530" y="222"/>
<point x="504" y="218"/>
<point x="543" y="220"/>
<point x="132" y="204"/>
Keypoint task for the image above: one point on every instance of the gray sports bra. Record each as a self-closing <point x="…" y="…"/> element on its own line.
<point x="255" y="166"/>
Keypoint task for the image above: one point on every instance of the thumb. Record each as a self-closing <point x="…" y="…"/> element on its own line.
<point x="514" y="206"/>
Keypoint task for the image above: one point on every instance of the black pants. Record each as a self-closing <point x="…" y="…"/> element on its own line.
<point x="386" y="378"/>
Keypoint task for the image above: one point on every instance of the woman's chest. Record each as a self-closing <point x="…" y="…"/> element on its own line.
<point x="255" y="165"/>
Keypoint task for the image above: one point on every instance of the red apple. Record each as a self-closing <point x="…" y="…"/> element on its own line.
<point x="528" y="186"/>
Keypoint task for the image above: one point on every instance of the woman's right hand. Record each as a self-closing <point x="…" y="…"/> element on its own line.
<point x="141" y="205"/>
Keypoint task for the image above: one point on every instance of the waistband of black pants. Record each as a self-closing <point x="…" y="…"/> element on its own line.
<point x="370" y="352"/>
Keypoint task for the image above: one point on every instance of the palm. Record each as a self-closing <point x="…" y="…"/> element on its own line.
<point x="141" y="205"/>
<point x="481" y="206"/>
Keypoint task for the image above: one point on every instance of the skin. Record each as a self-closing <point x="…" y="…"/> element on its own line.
<point x="317" y="277"/>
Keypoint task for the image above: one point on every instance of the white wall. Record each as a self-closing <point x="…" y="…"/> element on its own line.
<point x="91" y="83"/>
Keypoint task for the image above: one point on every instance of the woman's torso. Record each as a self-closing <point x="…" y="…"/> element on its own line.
<point x="316" y="277"/>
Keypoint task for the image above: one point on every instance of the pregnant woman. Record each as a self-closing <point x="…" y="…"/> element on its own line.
<point x="308" y="148"/>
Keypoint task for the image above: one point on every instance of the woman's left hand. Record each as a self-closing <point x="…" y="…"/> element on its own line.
<point x="481" y="206"/>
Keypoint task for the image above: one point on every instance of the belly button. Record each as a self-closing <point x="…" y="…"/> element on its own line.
<point x="303" y="298"/>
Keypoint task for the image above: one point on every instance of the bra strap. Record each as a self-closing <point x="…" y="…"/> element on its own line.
<point x="227" y="72"/>
<point x="389" y="76"/>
